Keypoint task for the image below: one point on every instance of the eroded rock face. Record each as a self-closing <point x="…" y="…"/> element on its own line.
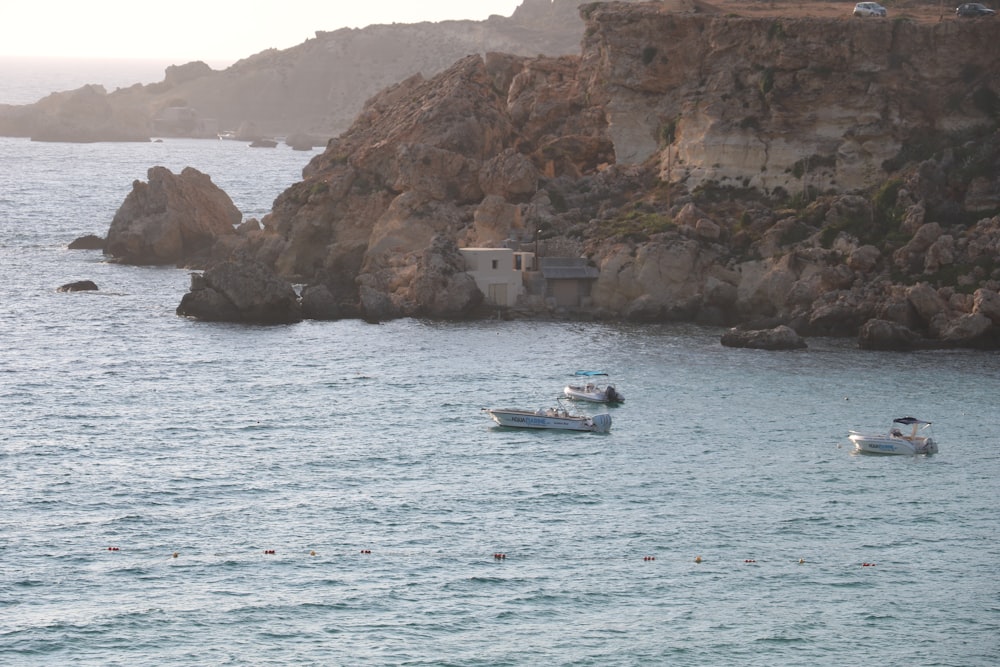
<point x="241" y="292"/>
<point x="774" y="103"/>
<point x="171" y="219"/>
<point x="379" y="215"/>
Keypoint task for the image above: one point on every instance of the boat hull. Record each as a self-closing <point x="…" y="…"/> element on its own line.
<point x="550" y="419"/>
<point x="888" y="444"/>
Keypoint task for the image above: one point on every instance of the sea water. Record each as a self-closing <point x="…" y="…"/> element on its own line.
<point x="177" y="492"/>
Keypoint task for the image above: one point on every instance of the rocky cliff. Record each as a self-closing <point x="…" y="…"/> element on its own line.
<point x="775" y="103"/>
<point x="309" y="92"/>
<point x="835" y="176"/>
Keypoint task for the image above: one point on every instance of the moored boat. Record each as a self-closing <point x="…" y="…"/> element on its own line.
<point x="550" y="418"/>
<point x="918" y="441"/>
<point x="591" y="391"/>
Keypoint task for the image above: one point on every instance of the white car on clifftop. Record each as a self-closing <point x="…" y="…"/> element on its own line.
<point x="869" y="9"/>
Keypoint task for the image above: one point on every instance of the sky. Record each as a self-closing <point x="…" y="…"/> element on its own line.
<point x="209" y="30"/>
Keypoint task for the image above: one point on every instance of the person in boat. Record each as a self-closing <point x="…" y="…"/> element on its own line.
<point x="896" y="433"/>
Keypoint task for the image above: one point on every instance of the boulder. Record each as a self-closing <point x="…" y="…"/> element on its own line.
<point x="879" y="334"/>
<point x="864" y="258"/>
<point x="970" y="330"/>
<point x="987" y="302"/>
<point x="834" y="319"/>
<point x="318" y="303"/>
<point x="940" y="253"/>
<point x="509" y="175"/>
<point x="780" y="337"/>
<point x="926" y="301"/>
<point x="172" y="219"/>
<point x="78" y="286"/>
<point x="241" y="292"/>
<point x="442" y="285"/>
<point x="707" y="229"/>
<point x="88" y="242"/>
<point x="910" y="257"/>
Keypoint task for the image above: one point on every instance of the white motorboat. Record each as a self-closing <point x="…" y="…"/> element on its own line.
<point x="918" y="441"/>
<point x="591" y="391"/>
<point x="554" y="418"/>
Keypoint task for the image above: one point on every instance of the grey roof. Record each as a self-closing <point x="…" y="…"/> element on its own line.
<point x="568" y="268"/>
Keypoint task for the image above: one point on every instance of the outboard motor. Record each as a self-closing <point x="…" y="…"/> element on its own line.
<point x="602" y="423"/>
<point x="613" y="395"/>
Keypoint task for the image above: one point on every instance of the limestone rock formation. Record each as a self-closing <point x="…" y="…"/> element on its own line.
<point x="241" y="292"/>
<point x="529" y="152"/>
<point x="720" y="170"/>
<point x="781" y="103"/>
<point x="378" y="218"/>
<point x="171" y="219"/>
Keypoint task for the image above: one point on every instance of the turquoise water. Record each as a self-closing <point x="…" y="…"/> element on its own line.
<point x="191" y="450"/>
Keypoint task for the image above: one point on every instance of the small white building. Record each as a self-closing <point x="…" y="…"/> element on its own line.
<point x="498" y="272"/>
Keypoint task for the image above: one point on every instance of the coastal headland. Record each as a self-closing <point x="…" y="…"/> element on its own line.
<point x="838" y="176"/>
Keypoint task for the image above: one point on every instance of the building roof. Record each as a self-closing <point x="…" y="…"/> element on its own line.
<point x="568" y="268"/>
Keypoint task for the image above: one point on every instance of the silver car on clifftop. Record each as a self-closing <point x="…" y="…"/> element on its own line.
<point x="973" y="9"/>
<point x="869" y="9"/>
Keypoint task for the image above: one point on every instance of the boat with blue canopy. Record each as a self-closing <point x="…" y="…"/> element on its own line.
<point x="918" y="441"/>
<point x="591" y="391"/>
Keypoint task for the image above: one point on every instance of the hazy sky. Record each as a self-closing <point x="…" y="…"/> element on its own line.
<point x="217" y="30"/>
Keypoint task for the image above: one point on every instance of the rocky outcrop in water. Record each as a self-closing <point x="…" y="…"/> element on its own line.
<point x="171" y="219"/>
<point x="241" y="292"/>
<point x="87" y="242"/>
<point x="779" y="338"/>
<point x="79" y="286"/>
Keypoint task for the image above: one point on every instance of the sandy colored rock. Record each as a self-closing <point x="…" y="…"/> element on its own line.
<point x="171" y="219"/>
